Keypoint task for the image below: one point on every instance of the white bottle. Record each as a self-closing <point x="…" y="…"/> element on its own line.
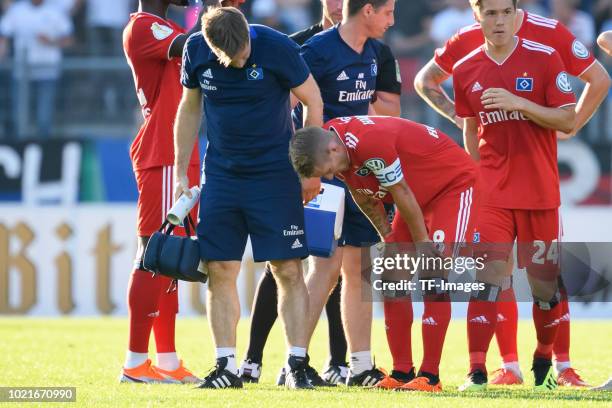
<point x="183" y="206"/>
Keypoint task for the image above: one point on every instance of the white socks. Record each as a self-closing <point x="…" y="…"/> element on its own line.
<point x="561" y="366"/>
<point x="360" y="361"/>
<point x="514" y="367"/>
<point x="168" y="361"/>
<point x="297" y="351"/>
<point x="230" y="354"/>
<point x="133" y="360"/>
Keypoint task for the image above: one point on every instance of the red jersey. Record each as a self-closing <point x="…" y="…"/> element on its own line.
<point x="518" y="158"/>
<point x="552" y="33"/>
<point x="385" y="150"/>
<point x="146" y="41"/>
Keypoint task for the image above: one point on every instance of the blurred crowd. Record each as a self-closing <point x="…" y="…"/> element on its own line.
<point x="38" y="34"/>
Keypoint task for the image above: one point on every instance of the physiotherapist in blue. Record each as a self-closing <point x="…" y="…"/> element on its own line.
<point x="246" y="74"/>
<point x="344" y="61"/>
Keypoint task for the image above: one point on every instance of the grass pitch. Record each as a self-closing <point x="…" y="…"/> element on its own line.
<point x="88" y="353"/>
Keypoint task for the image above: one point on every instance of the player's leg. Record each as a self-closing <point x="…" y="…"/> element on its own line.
<point x="450" y="220"/>
<point x="168" y="362"/>
<point x="538" y="251"/>
<point x="275" y="218"/>
<point x="263" y="316"/>
<point x="566" y="375"/>
<point x="496" y="232"/>
<point x="222" y="235"/>
<point x="336" y="370"/>
<point x="397" y="306"/>
<point x="321" y="279"/>
<point x="506" y="332"/>
<point x="144" y="289"/>
<point x="358" y="234"/>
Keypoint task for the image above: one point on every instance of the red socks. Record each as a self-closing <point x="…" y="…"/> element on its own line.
<point x="507" y="326"/>
<point x="144" y="304"/>
<point x="546" y="324"/>
<point x="482" y="319"/>
<point x="164" y="324"/>
<point x="436" y="317"/>
<point x="561" y="348"/>
<point x="398" y="325"/>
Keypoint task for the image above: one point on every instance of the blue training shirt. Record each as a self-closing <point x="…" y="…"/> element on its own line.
<point x="347" y="79"/>
<point x="248" y="113"/>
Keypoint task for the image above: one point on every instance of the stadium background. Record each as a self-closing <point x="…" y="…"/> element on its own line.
<point x="67" y="201"/>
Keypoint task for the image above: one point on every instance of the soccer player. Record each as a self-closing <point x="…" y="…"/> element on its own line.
<point x="605" y="42"/>
<point x="152" y="47"/>
<point x="513" y="95"/>
<point x="245" y="74"/>
<point x="433" y="183"/>
<point x="579" y="62"/>
<point x="345" y="62"/>
<point x="386" y="102"/>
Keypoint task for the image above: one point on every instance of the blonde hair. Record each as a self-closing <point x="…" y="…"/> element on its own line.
<point x="476" y="4"/>
<point x="226" y="31"/>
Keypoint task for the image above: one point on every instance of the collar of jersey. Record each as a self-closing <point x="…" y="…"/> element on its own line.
<point x="252" y="34"/>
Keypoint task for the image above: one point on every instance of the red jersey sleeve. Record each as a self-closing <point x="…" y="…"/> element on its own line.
<point x="457" y="47"/>
<point x="152" y="37"/>
<point x="575" y="55"/>
<point x="462" y="106"/>
<point x="558" y="87"/>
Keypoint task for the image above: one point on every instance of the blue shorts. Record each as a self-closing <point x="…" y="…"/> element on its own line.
<point x="267" y="207"/>
<point x="357" y="230"/>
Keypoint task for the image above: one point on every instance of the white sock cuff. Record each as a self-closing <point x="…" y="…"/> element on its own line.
<point x="225" y="352"/>
<point x="297" y="351"/>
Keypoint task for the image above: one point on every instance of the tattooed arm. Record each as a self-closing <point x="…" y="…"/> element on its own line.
<point x="428" y="84"/>
<point x="375" y="211"/>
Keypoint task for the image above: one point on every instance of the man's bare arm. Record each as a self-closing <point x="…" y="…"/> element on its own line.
<point x="428" y="84"/>
<point x="309" y="94"/>
<point x="387" y="104"/>
<point x="374" y="210"/>
<point x="562" y="118"/>
<point x="186" y="126"/>
<point x="409" y="210"/>
<point x="605" y="42"/>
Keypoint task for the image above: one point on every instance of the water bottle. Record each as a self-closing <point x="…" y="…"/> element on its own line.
<point x="183" y="206"/>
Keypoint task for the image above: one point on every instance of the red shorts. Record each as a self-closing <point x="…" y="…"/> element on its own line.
<point x="450" y="219"/>
<point x="156" y="197"/>
<point x="537" y="233"/>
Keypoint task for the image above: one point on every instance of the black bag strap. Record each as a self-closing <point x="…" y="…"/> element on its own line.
<point x="188" y="223"/>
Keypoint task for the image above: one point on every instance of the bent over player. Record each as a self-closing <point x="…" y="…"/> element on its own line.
<point x="432" y="182"/>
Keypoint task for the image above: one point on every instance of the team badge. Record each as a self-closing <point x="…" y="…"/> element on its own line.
<point x="161" y="32"/>
<point x="376" y="164"/>
<point x="524" y="84"/>
<point x="579" y="50"/>
<point x="374" y="68"/>
<point x="476" y="237"/>
<point x="254" y="73"/>
<point x="563" y="82"/>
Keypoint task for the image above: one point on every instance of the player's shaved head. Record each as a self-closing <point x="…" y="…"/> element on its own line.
<point x="226" y="31"/>
<point x="308" y="149"/>
<point x="354" y="6"/>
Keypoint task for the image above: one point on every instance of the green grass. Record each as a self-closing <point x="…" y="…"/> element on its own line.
<point x="88" y="353"/>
